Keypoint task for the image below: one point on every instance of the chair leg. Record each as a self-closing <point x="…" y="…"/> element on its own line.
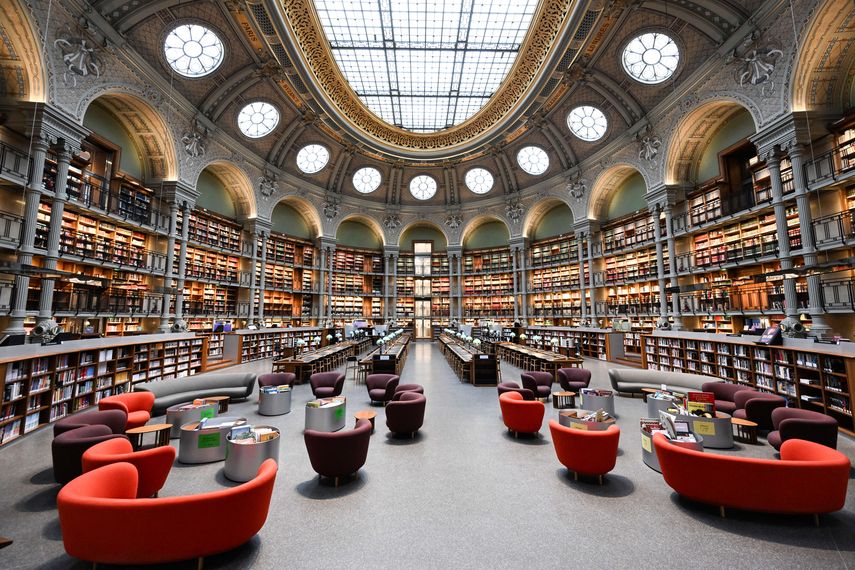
<point x="600" y="479"/>
<point x="722" y="512"/>
<point x="815" y="520"/>
<point x="200" y="563"/>
<point x="575" y="476"/>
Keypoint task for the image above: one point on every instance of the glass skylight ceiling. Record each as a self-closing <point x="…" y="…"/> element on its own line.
<point x="425" y="65"/>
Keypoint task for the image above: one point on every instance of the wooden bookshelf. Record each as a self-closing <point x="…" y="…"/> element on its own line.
<point x="212" y="230"/>
<point x="43" y="384"/>
<point x="209" y="299"/>
<point x="633" y="230"/>
<point x="211" y="266"/>
<point x="555" y="251"/>
<point x="603" y="344"/>
<point x="247" y="345"/>
<point x="811" y="376"/>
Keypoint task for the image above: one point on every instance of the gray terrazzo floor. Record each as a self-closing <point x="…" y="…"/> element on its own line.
<point x="464" y="494"/>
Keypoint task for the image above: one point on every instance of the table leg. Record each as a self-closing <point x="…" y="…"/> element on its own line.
<point x="136" y="440"/>
<point x="163" y="437"/>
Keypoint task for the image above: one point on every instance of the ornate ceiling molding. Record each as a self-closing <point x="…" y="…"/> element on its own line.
<point x="554" y="24"/>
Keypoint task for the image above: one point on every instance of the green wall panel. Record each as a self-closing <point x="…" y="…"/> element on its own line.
<point x="628" y="198"/>
<point x="285" y="219"/>
<point x="557" y="221"/>
<point x="103" y="123"/>
<point x="214" y="196"/>
<point x="423" y="233"/>
<point x="734" y="130"/>
<point x="356" y="234"/>
<point x="490" y="234"/>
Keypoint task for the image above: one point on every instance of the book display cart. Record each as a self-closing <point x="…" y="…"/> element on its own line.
<point x="42" y="384"/>
<point x="813" y="376"/>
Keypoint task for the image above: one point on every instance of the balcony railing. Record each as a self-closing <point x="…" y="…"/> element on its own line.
<point x="14" y="164"/>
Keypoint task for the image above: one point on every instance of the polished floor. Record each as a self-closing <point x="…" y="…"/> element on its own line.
<point x="464" y="494"/>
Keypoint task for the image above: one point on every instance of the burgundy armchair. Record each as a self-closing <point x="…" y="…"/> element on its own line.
<point x="67" y="450"/>
<point x="152" y="464"/>
<point x="514" y="387"/>
<point x="116" y="420"/>
<point x="574" y="379"/>
<point x="277" y="379"/>
<point x="757" y="407"/>
<point x="338" y="454"/>
<point x="724" y="394"/>
<point x="381" y="387"/>
<point x="540" y="383"/>
<point x="406" y="413"/>
<point x="327" y="384"/>
<point x="793" y="423"/>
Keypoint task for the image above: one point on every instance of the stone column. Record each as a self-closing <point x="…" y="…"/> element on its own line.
<point x="330" y="261"/>
<point x="253" y="278"/>
<point x="33" y="194"/>
<point x="63" y="161"/>
<point x="394" y="258"/>
<point x="580" y="238"/>
<point x="592" y="287"/>
<point x="262" y="280"/>
<point x="170" y="267"/>
<point x="672" y="268"/>
<point x="451" y="312"/>
<point x="322" y="272"/>
<point x="524" y="283"/>
<point x="773" y="162"/>
<point x="514" y="254"/>
<point x="182" y="260"/>
<point x="819" y="328"/>
<point x="460" y="287"/>
<point x="660" y="263"/>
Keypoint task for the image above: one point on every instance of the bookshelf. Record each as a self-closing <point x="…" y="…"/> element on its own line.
<point x="487" y="284"/>
<point x="247" y="345"/>
<point x="633" y="230"/>
<point x="603" y="344"/>
<point x="211" y="266"/>
<point x="209" y="299"/>
<point x="357" y="284"/>
<point x="212" y="230"/>
<point x="815" y="377"/>
<point x="43" y="384"/>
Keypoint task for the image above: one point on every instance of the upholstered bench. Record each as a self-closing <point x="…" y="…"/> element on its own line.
<point x="632" y="380"/>
<point x="179" y="390"/>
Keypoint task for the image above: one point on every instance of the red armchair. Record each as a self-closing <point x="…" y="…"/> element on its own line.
<point x="327" y="384"/>
<point x="153" y="464"/>
<point x="137" y="405"/>
<point x="585" y="452"/>
<point x="793" y="423"/>
<point x="381" y="387"/>
<point x="757" y="407"/>
<point x="540" y="383"/>
<point x="96" y="508"/>
<point x="724" y="393"/>
<point x="519" y="415"/>
<point x="809" y="479"/>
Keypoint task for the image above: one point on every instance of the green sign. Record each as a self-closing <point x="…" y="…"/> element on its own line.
<point x="207" y="413"/>
<point x="209" y="440"/>
<point x="339" y="412"/>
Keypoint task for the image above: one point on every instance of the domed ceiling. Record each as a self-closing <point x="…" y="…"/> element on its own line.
<point x="427" y="103"/>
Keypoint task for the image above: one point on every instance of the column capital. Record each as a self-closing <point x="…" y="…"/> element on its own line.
<point x="179" y="191"/>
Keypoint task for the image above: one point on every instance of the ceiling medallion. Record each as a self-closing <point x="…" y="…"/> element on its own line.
<point x="554" y="22"/>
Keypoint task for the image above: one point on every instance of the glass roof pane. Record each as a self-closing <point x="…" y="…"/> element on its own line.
<point x="425" y="65"/>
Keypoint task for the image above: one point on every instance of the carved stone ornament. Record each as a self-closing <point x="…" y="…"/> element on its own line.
<point x="514" y="210"/>
<point x="577" y="189"/>
<point x="454" y="221"/>
<point x="194" y="144"/>
<point x="268" y="186"/>
<point x="330" y="210"/>
<point x="755" y="64"/>
<point x="80" y="58"/>
<point x="392" y="222"/>
<point x="649" y="150"/>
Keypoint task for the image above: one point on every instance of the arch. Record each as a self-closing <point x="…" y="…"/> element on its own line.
<point x="147" y="128"/>
<point x="606" y="184"/>
<point x="366" y="220"/>
<point x="692" y="135"/>
<point x="237" y="184"/>
<point x="24" y="75"/>
<point x="306" y="209"/>
<point x="423" y="224"/>
<point x="479" y="221"/>
<point x="825" y="60"/>
<point x="540" y="209"/>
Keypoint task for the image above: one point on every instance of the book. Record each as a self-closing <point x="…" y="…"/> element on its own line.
<point x="701" y="404"/>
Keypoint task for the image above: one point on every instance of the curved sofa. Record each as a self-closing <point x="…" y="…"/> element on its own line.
<point x="95" y="510"/>
<point x="809" y="478"/>
<point x="632" y="380"/>
<point x="179" y="390"/>
<point x="152" y="464"/>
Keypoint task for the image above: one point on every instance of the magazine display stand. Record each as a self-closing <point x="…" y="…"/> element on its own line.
<point x="245" y="455"/>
